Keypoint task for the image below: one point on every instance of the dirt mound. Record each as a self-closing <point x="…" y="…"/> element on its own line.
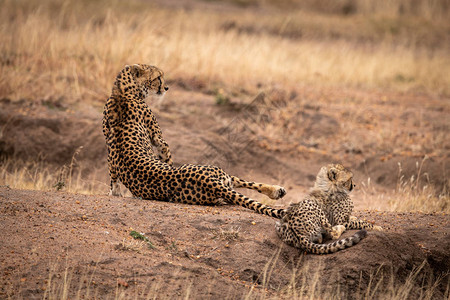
<point x="389" y="171"/>
<point x="50" y="133"/>
<point x="55" y="135"/>
<point x="205" y="252"/>
<point x="275" y="137"/>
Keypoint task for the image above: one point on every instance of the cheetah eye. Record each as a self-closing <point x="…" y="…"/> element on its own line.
<point x="349" y="184"/>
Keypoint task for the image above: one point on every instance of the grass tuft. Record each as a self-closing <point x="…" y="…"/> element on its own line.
<point x="417" y="194"/>
<point x="141" y="236"/>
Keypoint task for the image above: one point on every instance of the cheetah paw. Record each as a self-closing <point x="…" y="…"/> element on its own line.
<point x="377" y="228"/>
<point x="337" y="231"/>
<point x="278" y="192"/>
<point x="219" y="201"/>
<point x="115" y="190"/>
<point x="114" y="193"/>
<point x="317" y="238"/>
<point x="277" y="225"/>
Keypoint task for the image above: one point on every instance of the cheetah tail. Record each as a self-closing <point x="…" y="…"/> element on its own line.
<point x="335" y="246"/>
<point x="234" y="197"/>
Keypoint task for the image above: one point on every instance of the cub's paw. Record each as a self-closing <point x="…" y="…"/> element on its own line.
<point x="218" y="201"/>
<point x="317" y="238"/>
<point x="277" y="225"/>
<point x="115" y="193"/>
<point x="337" y="231"/>
<point x="278" y="192"/>
<point x="115" y="190"/>
<point x="280" y="229"/>
<point x="377" y="228"/>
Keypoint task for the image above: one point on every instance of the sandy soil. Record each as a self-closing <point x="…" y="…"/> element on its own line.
<point x="219" y="252"/>
<point x="210" y="252"/>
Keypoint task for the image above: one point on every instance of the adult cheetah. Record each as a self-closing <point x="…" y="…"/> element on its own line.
<point x="132" y="133"/>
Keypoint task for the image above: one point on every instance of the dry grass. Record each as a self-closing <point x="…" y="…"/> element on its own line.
<point x="416" y="193"/>
<point x="305" y="283"/>
<point x="40" y="176"/>
<point x="133" y="245"/>
<point x="351" y="126"/>
<point x="73" y="49"/>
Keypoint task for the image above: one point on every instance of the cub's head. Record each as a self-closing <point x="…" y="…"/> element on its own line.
<point x="140" y="81"/>
<point x="334" y="177"/>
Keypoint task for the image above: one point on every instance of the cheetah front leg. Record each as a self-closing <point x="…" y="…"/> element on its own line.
<point x="286" y="234"/>
<point x="112" y="157"/>
<point x="114" y="181"/>
<point x="272" y="191"/>
<point x="161" y="146"/>
<point x="355" y="223"/>
<point x="163" y="150"/>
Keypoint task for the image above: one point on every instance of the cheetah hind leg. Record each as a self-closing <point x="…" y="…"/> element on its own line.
<point x="272" y="191"/>
<point x="355" y="223"/>
<point x="219" y="202"/>
<point x="312" y="244"/>
<point x="231" y="196"/>
<point x="318" y="236"/>
<point x="286" y="234"/>
<point x="188" y="196"/>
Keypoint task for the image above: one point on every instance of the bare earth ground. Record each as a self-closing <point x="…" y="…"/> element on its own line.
<point x="46" y="233"/>
<point x="220" y="252"/>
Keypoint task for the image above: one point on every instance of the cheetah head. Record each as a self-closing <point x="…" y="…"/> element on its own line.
<point x="335" y="177"/>
<point x="140" y="81"/>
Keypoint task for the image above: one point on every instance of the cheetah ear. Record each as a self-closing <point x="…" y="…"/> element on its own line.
<point x="155" y="73"/>
<point x="136" y="70"/>
<point x="332" y="174"/>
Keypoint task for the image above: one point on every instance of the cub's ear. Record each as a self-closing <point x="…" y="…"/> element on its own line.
<point x="332" y="174"/>
<point x="136" y="70"/>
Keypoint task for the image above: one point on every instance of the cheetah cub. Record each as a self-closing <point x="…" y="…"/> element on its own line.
<point x="326" y="210"/>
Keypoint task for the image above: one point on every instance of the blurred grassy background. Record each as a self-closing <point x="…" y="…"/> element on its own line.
<point x="73" y="49"/>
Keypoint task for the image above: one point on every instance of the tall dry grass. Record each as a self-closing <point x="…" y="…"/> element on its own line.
<point x="40" y="176"/>
<point x="306" y="283"/>
<point x="414" y="193"/>
<point x="73" y="49"/>
<point x="417" y="194"/>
